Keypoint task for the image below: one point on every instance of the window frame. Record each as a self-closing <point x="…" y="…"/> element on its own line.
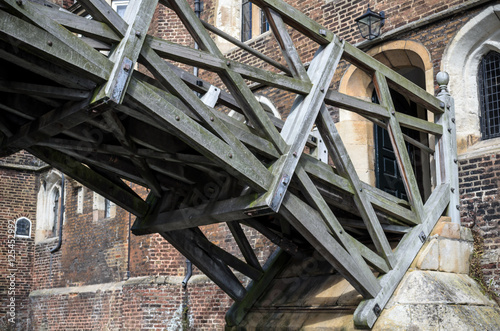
<point x="29" y="230"/>
<point x="489" y="95"/>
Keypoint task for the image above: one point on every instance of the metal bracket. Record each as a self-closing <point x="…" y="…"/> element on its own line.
<point x="280" y="192"/>
<point x="422" y="237"/>
<point x="122" y="79"/>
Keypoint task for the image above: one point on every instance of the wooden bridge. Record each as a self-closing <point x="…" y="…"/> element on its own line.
<point x="57" y="85"/>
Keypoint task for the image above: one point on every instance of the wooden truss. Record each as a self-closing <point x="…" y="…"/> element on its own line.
<point x="96" y="118"/>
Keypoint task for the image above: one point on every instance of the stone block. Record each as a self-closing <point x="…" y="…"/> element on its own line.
<point x="466" y="234"/>
<point x="466" y="249"/>
<point x="449" y="255"/>
<point x="445" y="228"/>
<point x="428" y="258"/>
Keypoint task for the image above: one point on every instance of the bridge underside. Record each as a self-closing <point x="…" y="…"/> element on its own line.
<point x="90" y="114"/>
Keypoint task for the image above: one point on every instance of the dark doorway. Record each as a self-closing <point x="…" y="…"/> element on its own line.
<point x="387" y="174"/>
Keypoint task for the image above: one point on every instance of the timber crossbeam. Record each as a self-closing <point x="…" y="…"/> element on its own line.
<point x="211" y="151"/>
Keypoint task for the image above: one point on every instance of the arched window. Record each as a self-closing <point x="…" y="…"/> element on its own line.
<point x="23" y="228"/>
<point x="489" y="95"/>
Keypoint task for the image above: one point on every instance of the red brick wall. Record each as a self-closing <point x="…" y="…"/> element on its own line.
<point x="17" y="199"/>
<point x="480" y="209"/>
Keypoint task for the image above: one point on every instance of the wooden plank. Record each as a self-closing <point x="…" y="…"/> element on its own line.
<point x="446" y="156"/>
<point x="209" y="212"/>
<point x="274" y="265"/>
<point x="101" y="11"/>
<point x="243" y="244"/>
<point x="28" y="36"/>
<point x="95" y="182"/>
<point x="233" y="81"/>
<point x="396" y="81"/>
<point x="186" y="242"/>
<point x="296" y="130"/>
<point x="229" y="259"/>
<point x="371" y="258"/>
<point x="365" y="108"/>
<point x="30" y="11"/>
<point x="43" y="90"/>
<point x="345" y="167"/>
<point x="79" y="24"/>
<point x="399" y="146"/>
<point x="298" y="20"/>
<point x="138" y="17"/>
<point x="419" y="124"/>
<point x="244" y="46"/>
<point x="197" y="136"/>
<point x="205" y="60"/>
<point x="288" y="50"/>
<point x="355" y="224"/>
<point x="309" y="223"/>
<point x="436" y="205"/>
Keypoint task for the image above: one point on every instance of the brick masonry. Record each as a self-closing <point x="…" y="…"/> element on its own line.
<point x="480" y="209"/>
<point x="97" y="252"/>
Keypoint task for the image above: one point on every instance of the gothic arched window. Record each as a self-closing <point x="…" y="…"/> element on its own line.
<point x="489" y="95"/>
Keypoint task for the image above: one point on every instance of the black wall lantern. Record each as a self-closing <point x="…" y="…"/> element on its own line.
<point x="369" y="24"/>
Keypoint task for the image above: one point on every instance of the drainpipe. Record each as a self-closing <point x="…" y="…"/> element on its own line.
<point x="128" y="244"/>
<point x="61" y="218"/>
<point x="189" y="267"/>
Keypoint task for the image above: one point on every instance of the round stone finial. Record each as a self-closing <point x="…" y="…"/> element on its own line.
<point x="442" y="78"/>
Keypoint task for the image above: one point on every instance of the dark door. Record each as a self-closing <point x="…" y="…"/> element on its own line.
<point x="387" y="174"/>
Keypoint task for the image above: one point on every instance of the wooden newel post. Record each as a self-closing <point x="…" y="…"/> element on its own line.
<point x="446" y="147"/>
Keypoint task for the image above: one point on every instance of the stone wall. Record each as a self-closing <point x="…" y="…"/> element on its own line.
<point x="480" y="207"/>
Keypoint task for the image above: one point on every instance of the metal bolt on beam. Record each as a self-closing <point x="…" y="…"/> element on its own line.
<point x="452" y="190"/>
<point x="49" y="43"/>
<point x="441" y="104"/>
<point x="177" y="118"/>
<point x="212" y="118"/>
<point x="138" y="34"/>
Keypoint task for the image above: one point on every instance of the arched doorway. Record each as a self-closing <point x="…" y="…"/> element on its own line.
<point x="369" y="145"/>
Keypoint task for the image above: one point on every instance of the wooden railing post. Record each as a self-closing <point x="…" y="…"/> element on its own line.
<point x="446" y="147"/>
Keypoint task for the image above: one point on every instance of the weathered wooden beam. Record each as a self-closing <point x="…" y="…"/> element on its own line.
<point x="373" y="259"/>
<point x="310" y="224"/>
<point x="102" y="12"/>
<point x="79" y="24"/>
<point x="44" y="68"/>
<point x="345" y="167"/>
<point x="209" y="212"/>
<point x="299" y="124"/>
<point x="95" y="182"/>
<point x="43" y="90"/>
<point x="243" y="244"/>
<point x="288" y="50"/>
<point x="205" y="60"/>
<point x="233" y="81"/>
<point x="446" y="148"/>
<point x="399" y="146"/>
<point x="187" y="242"/>
<point x="72" y="56"/>
<point x="244" y="46"/>
<point x="298" y="20"/>
<point x="138" y="17"/>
